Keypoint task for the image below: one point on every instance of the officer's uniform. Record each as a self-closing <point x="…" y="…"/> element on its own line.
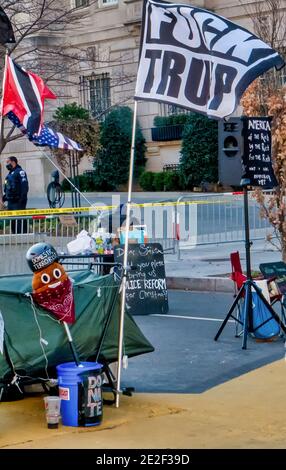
<point x="15" y="193"/>
<point x="16" y="189"/>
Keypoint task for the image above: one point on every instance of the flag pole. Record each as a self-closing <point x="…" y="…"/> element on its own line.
<point x="2" y="117"/>
<point x="2" y="146"/>
<point x="125" y="259"/>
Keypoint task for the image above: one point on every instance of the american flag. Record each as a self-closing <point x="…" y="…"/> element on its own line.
<point x="47" y="137"/>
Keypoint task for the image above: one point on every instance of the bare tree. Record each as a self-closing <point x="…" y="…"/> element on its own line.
<point x="266" y="96"/>
<point x="42" y="29"/>
<point x="37" y="48"/>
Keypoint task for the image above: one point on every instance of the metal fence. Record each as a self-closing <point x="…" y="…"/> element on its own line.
<point x="18" y="234"/>
<point x="198" y="219"/>
<point x="218" y="218"/>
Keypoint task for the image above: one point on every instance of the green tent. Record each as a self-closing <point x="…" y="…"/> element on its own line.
<point x="97" y="305"/>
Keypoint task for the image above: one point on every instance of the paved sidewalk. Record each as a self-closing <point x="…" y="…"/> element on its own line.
<point x="246" y="412"/>
<point x="213" y="262"/>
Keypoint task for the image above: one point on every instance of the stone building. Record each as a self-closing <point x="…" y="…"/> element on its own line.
<point x="109" y="38"/>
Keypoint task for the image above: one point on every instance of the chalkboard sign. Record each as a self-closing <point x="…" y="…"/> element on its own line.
<point x="257" y="152"/>
<point x="146" y="291"/>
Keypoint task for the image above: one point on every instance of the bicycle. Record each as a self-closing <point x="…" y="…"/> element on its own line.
<point x="55" y="192"/>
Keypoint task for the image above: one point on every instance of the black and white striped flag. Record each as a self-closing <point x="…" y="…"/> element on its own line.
<point x="193" y="58"/>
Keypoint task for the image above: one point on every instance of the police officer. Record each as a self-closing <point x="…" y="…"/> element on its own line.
<point x="16" y="189"/>
<point x="16" y="186"/>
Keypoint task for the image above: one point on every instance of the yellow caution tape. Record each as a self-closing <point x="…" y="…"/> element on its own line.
<point x="40" y="212"/>
<point x="91" y="209"/>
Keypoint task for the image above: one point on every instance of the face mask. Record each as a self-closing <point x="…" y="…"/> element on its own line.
<point x="9" y="166"/>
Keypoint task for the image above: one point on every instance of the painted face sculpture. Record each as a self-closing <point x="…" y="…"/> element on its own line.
<point x="52" y="288"/>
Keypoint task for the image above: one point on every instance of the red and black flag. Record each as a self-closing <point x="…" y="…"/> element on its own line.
<point x="6" y="30"/>
<point x="24" y="94"/>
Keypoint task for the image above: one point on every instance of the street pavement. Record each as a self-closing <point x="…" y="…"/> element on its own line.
<point x="186" y="357"/>
<point x="191" y="389"/>
<point x="105" y="198"/>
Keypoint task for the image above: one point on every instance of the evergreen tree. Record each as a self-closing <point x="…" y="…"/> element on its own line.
<point x="199" y="153"/>
<point x="112" y="160"/>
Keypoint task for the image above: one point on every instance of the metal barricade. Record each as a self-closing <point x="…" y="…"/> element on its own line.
<point x="218" y="218"/>
<point x="194" y="219"/>
<point x="97" y="263"/>
<point x="15" y="239"/>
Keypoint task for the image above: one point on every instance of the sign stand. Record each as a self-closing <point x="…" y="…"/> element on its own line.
<point x="258" y="171"/>
<point x="246" y="292"/>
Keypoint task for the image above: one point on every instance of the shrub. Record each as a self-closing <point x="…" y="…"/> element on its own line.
<point x="172" y="181"/>
<point x="172" y="120"/>
<point x="146" y="181"/>
<point x="159" y="121"/>
<point x="199" y="153"/>
<point x="84" y="183"/>
<point x="66" y="185"/>
<point x="162" y="181"/>
<point x="112" y="160"/>
<point x="159" y="181"/>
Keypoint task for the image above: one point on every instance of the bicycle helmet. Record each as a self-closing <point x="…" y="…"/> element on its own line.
<point x="41" y="255"/>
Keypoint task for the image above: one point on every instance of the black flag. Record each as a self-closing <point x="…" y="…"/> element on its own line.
<point x="6" y="30"/>
<point x="193" y="58"/>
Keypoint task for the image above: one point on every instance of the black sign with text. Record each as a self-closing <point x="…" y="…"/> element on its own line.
<point x="146" y="291"/>
<point x="257" y="152"/>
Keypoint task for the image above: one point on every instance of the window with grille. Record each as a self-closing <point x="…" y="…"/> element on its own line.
<point x="81" y="3"/>
<point x="105" y="3"/>
<point x="95" y="94"/>
<point x="169" y="109"/>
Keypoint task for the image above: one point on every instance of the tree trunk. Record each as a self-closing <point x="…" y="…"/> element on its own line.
<point x="283" y="243"/>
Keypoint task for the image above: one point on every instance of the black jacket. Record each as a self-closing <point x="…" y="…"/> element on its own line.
<point x="16" y="185"/>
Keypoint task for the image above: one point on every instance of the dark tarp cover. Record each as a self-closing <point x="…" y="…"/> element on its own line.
<point x="94" y="297"/>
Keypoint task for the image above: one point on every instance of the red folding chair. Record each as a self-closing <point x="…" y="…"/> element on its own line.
<point x="237" y="275"/>
<point x="238" y="279"/>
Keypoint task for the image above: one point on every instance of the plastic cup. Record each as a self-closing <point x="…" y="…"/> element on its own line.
<point x="52" y="408"/>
